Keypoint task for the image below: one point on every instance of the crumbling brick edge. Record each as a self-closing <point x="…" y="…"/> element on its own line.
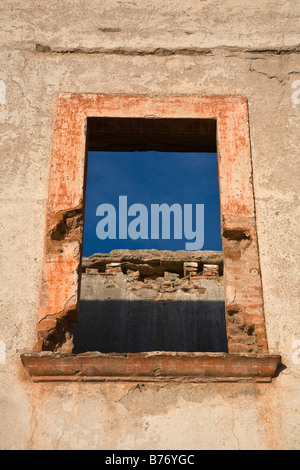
<point x="151" y="367"/>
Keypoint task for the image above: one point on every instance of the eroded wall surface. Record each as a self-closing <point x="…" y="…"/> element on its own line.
<point x="247" y="48"/>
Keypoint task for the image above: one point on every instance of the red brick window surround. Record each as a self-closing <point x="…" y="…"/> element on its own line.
<point x="247" y="358"/>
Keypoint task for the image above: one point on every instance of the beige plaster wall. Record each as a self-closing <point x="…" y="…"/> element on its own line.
<point x="243" y="47"/>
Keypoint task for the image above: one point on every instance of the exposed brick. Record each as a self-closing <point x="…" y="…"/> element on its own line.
<point x="211" y="270"/>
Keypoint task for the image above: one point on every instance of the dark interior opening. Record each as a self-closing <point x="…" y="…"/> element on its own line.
<point x="140" y="326"/>
<point x="163" y="135"/>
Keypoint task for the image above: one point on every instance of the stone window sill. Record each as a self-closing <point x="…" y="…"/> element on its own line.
<point x="150" y="367"/>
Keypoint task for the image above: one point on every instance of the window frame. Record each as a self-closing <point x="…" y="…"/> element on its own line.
<point x="59" y="295"/>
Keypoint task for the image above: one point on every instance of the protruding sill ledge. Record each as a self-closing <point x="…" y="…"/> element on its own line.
<point x="150" y="367"/>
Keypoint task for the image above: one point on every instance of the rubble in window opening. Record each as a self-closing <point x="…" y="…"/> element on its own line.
<point x="158" y="275"/>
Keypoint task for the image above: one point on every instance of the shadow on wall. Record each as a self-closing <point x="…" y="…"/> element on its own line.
<point x="123" y="326"/>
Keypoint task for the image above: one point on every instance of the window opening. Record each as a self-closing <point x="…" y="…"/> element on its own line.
<point x="167" y="292"/>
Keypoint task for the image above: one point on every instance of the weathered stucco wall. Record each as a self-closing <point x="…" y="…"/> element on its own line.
<point x="246" y="48"/>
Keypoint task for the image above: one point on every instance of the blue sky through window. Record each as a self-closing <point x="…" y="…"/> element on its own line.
<point x="151" y="178"/>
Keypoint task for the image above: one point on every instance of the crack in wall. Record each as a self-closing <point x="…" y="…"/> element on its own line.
<point x="235" y="436"/>
<point x="270" y="77"/>
<point x="161" y="51"/>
